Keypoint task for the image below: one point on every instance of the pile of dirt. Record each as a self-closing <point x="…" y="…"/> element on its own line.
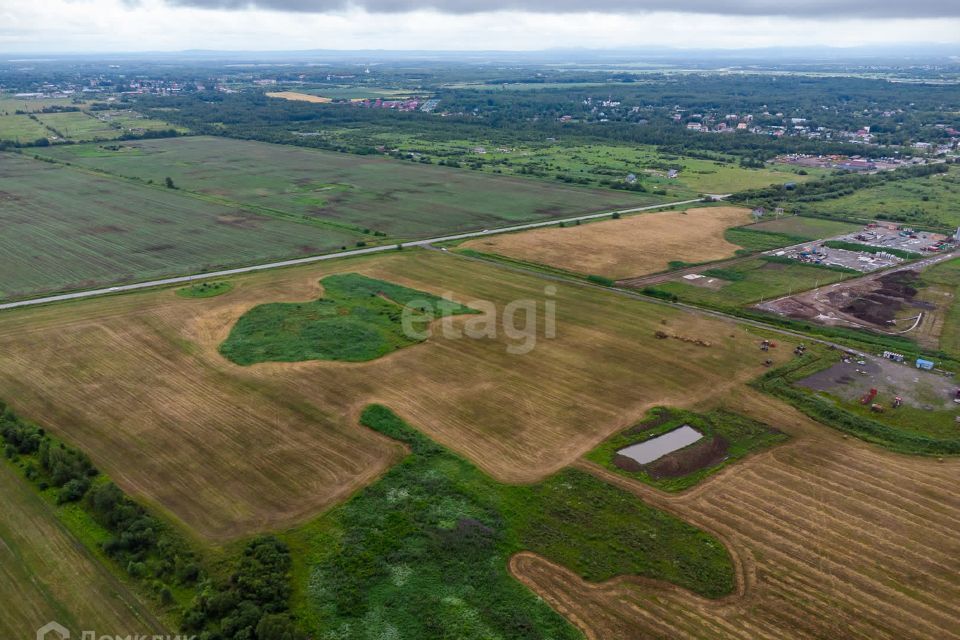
<point x="880" y="306"/>
<point x="690" y="459"/>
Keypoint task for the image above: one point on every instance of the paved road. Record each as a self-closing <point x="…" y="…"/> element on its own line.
<point x="330" y="256"/>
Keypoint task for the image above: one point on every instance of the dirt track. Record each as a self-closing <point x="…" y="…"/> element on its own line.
<point x="833" y="538"/>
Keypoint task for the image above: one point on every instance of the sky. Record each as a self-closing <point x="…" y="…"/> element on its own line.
<point x="94" y="26"/>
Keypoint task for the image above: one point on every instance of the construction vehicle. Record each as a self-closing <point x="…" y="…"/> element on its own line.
<point x="868" y="397"/>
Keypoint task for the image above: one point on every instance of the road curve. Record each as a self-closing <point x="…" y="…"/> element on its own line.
<point x="328" y="256"/>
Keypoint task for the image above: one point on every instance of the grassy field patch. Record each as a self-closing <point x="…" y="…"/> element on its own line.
<point x="423" y="552"/>
<point x="79" y="126"/>
<point x="21" y="129"/>
<point x="806" y="227"/>
<point x="358" y="319"/>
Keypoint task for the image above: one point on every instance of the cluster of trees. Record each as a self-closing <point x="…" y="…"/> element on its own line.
<point x="58" y="466"/>
<point x="146" y="548"/>
<point x="253" y="603"/>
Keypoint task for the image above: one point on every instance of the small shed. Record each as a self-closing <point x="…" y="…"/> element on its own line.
<point x="924" y="364"/>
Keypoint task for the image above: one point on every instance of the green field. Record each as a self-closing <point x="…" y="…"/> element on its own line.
<point x="423" y="552"/>
<point x="9" y="104"/>
<point x="68" y="229"/>
<point x="751" y="281"/>
<point x="21" y="128"/>
<point x="805" y="227"/>
<point x="131" y="121"/>
<point x="728" y="437"/>
<point x="357" y="319"/>
<point x="400" y="199"/>
<point x="586" y="163"/>
<point x="79" y="126"/>
<point x="929" y="201"/>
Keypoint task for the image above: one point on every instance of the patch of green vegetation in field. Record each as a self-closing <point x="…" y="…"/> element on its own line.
<point x="907" y="429"/>
<point x="755" y="240"/>
<point x="728" y="437"/>
<point x="205" y="290"/>
<point x="752" y="281"/>
<point x="358" y="319"/>
<point x="806" y="227"/>
<point x="423" y="552"/>
<point x="21" y="129"/>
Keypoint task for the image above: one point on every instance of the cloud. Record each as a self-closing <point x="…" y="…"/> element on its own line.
<point x="810" y="9"/>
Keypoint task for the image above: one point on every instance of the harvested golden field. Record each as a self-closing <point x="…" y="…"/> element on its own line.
<point x="137" y="382"/>
<point x="296" y="95"/>
<point x="833" y="538"/>
<point x="630" y="246"/>
<point x="49" y="575"/>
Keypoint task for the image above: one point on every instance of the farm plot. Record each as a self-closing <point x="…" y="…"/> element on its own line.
<point x="50" y="576"/>
<point x="228" y="449"/>
<point x="834" y="538"/>
<point x="21" y="128"/>
<point x="365" y="192"/>
<point x="66" y="229"/>
<point x="806" y="228"/>
<point x="78" y="126"/>
<point x="630" y="246"/>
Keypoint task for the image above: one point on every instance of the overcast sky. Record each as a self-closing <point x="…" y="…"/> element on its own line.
<point x="170" y="25"/>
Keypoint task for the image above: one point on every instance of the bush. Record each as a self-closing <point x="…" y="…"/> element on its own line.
<point x="73" y="490"/>
<point x="602" y="280"/>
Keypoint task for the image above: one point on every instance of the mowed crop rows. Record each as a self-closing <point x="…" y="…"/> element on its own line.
<point x="835" y="539"/>
<point x="631" y="246"/>
<point x="66" y="229"/>
<point x="403" y="199"/>
<point x="45" y="574"/>
<point x="230" y="450"/>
